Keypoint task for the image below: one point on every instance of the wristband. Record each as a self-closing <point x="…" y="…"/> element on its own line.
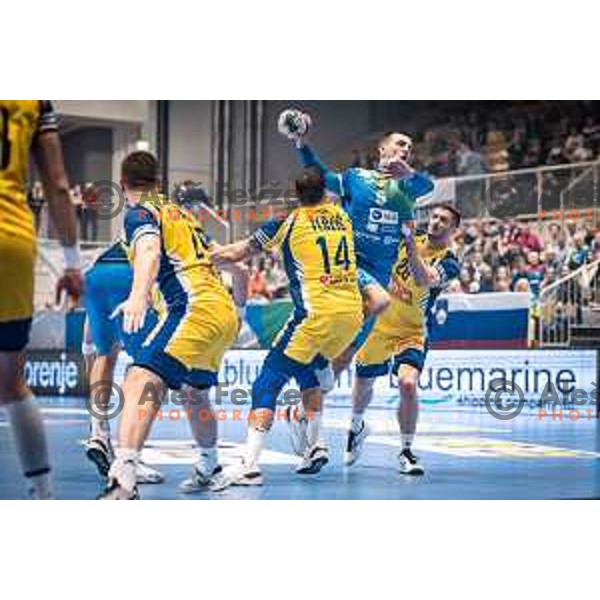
<point x="72" y="257"/>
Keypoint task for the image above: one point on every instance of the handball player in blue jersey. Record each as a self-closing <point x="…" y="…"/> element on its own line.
<point x="378" y="201"/>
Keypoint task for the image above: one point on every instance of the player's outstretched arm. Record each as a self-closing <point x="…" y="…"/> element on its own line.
<point x="47" y="153"/>
<point x="238" y="271"/>
<point x="233" y="253"/>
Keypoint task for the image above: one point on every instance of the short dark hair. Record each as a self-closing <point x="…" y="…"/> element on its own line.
<point x="310" y="186"/>
<point x="384" y="138"/>
<point x="451" y="209"/>
<point x="140" y="170"/>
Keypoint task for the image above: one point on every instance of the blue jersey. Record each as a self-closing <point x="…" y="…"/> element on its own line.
<point x="377" y="206"/>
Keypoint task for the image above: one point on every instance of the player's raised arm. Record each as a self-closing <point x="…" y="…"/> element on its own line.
<point x="47" y="153"/>
<point x="294" y="125"/>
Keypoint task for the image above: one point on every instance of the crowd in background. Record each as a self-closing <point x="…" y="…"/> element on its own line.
<point x="515" y="137"/>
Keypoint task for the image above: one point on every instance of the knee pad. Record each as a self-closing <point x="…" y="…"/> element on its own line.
<point x="267" y="387"/>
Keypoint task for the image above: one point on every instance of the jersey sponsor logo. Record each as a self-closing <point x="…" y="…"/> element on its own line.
<point x="383" y="216"/>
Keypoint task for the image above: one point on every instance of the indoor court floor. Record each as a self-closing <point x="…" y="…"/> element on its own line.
<point x="467" y="455"/>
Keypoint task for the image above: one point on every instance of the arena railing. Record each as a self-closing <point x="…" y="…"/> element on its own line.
<point x="554" y="192"/>
<point x="571" y="300"/>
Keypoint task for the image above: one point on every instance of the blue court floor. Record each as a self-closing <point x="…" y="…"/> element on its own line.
<point x="467" y="455"/>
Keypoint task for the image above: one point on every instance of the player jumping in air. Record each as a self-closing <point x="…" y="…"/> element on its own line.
<point x="29" y="125"/>
<point x="199" y="322"/>
<point x="424" y="266"/>
<point x="317" y="246"/>
<point x="378" y="202"/>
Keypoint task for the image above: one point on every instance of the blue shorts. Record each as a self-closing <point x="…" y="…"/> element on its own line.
<point x="415" y="357"/>
<point x="107" y="284"/>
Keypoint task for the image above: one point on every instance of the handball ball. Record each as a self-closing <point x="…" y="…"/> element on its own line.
<point x="293" y="123"/>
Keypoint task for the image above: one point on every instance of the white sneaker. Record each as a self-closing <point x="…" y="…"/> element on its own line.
<point x="355" y="443"/>
<point x="296" y="421"/>
<point x="409" y="463"/>
<point x="241" y="474"/>
<point x="99" y="450"/>
<point x="201" y="479"/>
<point x="314" y="460"/>
<point x="145" y="474"/>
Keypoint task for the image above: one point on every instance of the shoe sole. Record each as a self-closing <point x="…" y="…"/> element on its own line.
<point x="99" y="459"/>
<point x="315" y="467"/>
<point x="418" y="472"/>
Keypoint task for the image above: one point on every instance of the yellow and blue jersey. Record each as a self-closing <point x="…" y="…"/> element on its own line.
<point x="401" y="331"/>
<point x="186" y="270"/>
<point x="199" y="320"/>
<point x="317" y="247"/>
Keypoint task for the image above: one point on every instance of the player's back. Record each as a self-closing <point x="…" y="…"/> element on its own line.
<point x="187" y="273"/>
<point x="20" y="121"/>
<point x="318" y="251"/>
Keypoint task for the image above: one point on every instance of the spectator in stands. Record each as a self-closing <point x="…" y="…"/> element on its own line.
<point x="579" y="253"/>
<point x="89" y="217"/>
<point x="276" y="279"/>
<point x="257" y="283"/>
<point x="526" y="239"/>
<point x="535" y="272"/>
<point x="36" y="202"/>
<point x="465" y="280"/>
<point x="468" y="161"/>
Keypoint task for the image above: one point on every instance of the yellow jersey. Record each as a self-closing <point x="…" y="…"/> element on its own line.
<point x="408" y="313"/>
<point x="187" y="273"/>
<point x="20" y="122"/>
<point x="317" y="247"/>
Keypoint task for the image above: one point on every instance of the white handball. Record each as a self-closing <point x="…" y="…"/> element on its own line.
<point x="293" y="123"/>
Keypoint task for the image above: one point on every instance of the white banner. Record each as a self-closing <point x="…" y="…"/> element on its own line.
<point x="451" y="378"/>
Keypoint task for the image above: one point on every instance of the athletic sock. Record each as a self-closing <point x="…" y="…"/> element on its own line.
<point x="313" y="429"/>
<point x="407" y="440"/>
<point x="357" y="421"/>
<point x="99" y="428"/>
<point x="254" y="446"/>
<point x="210" y="457"/>
<point x="30" y="441"/>
<point x="124" y="468"/>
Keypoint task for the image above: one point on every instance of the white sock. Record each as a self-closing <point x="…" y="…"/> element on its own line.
<point x="407" y="439"/>
<point x="313" y="429"/>
<point x="32" y="449"/>
<point x="357" y="420"/>
<point x="210" y="457"/>
<point x="99" y="428"/>
<point x="254" y="446"/>
<point x="124" y="468"/>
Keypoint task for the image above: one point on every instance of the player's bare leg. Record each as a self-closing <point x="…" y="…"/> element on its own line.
<point x="98" y="448"/>
<point x="204" y="428"/>
<point x="408" y="415"/>
<point x="362" y="394"/>
<point x="26" y="424"/>
<point x="144" y="392"/>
